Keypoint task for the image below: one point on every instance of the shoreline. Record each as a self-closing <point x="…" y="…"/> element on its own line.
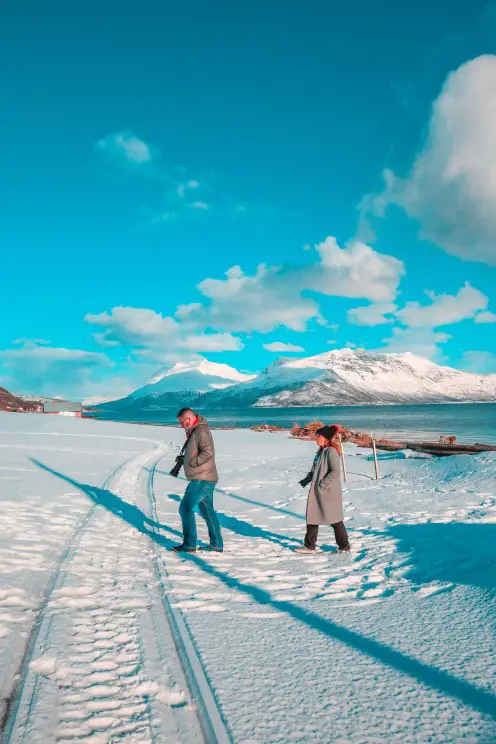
<point x="446" y="445"/>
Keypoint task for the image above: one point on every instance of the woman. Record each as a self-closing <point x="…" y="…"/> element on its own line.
<point x="325" y="501"/>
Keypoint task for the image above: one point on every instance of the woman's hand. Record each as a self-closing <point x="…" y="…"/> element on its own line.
<point x="306" y="480"/>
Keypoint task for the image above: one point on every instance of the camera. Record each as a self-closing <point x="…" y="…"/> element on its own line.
<point x="177" y="467"/>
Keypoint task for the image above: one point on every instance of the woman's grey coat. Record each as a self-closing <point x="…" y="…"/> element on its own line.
<point x="325" y="500"/>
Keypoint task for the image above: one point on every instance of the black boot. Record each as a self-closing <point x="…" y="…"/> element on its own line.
<point x="183" y="549"/>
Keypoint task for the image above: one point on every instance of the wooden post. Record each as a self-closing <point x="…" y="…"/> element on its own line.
<point x="375" y="460"/>
<point x="342" y="457"/>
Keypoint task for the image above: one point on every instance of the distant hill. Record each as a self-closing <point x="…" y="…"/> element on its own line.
<point x="9" y="402"/>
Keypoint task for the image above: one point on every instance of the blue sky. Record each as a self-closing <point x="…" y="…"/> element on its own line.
<point x="336" y="160"/>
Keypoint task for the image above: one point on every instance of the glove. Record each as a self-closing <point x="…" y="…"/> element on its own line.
<point x="306" y="480"/>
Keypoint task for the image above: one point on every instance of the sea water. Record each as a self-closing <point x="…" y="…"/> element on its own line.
<point x="469" y="422"/>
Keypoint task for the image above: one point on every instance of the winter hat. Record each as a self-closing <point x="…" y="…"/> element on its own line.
<point x="328" y="432"/>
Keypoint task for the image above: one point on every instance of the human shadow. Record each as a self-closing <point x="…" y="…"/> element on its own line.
<point x="457" y="552"/>
<point x="436" y="679"/>
<point x="246" y="500"/>
<point x="113" y="503"/>
<point x="245" y="529"/>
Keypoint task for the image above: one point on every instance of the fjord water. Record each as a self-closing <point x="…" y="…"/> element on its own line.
<point x="469" y="422"/>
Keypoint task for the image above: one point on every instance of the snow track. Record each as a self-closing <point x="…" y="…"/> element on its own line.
<point x="102" y="663"/>
<point x="15" y="696"/>
<point x="214" y="727"/>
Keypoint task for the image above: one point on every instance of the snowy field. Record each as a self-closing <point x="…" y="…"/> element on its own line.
<point x="106" y="636"/>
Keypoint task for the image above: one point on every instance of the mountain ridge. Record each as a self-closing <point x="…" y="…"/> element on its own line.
<point x="339" y="377"/>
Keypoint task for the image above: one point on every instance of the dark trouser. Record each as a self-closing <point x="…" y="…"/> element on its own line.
<point x="339" y="533"/>
<point x="200" y="494"/>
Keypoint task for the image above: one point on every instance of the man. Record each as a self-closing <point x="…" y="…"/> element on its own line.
<point x="200" y="470"/>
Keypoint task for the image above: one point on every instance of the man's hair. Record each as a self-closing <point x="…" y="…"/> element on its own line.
<point x="184" y="411"/>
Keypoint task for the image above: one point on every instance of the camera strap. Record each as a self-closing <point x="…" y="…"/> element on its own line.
<point x="188" y="437"/>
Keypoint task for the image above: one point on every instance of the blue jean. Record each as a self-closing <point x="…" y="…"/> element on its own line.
<point x="200" y="494"/>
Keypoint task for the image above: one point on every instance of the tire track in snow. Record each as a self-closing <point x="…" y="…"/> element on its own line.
<point x="108" y="639"/>
<point x="214" y="727"/>
<point x="13" y="700"/>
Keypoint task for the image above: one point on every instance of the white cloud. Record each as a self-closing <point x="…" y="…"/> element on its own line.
<point x="179" y="195"/>
<point x="99" y="391"/>
<point x="481" y="362"/>
<point x="280" y="346"/>
<point x="131" y="326"/>
<point x="420" y="335"/>
<point x="31" y="342"/>
<point x="373" y="315"/>
<point x="277" y="296"/>
<point x="422" y="341"/>
<point x="183" y="198"/>
<point x="355" y="271"/>
<point x="47" y="370"/>
<point x="184" y="188"/>
<point x="49" y="355"/>
<point x="451" y="189"/>
<point x="485" y="317"/>
<point x="444" y="309"/>
<point x="155" y="334"/>
<point x="261" y="302"/>
<point x="126" y="147"/>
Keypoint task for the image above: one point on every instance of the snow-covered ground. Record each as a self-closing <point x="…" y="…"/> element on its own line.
<point x="394" y="642"/>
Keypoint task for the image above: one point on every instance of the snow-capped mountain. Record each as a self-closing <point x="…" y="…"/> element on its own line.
<point x="347" y="377"/>
<point x="197" y="377"/>
<point x="339" y="377"/>
<point x="181" y="384"/>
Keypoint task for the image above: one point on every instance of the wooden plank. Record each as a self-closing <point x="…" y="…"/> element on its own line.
<point x="437" y="448"/>
<point x="375" y="460"/>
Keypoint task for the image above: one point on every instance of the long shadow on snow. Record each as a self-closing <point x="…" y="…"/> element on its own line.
<point x="246" y="500"/>
<point x="457" y="552"/>
<point x="113" y="503"/>
<point x="240" y="527"/>
<point x="443" y="682"/>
